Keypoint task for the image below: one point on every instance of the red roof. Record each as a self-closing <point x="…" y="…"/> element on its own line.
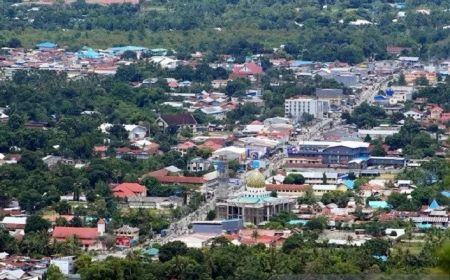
<point x="100" y="149"/>
<point x="128" y="190"/>
<point x="186" y="145"/>
<point x="86" y="235"/>
<point x="180" y="180"/>
<point x="157" y="173"/>
<point x="245" y="69"/>
<point x="211" y="145"/>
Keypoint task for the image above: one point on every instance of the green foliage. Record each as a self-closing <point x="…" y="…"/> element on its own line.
<point x="53" y="273"/>
<point x="337" y="197"/>
<point x="378" y="149"/>
<point x="293" y="178"/>
<point x="7" y="242"/>
<point x="412" y="140"/>
<point x="317" y="223"/>
<point x="36" y="223"/>
<point x="401" y="202"/>
<point x="211" y="215"/>
<point x="308" y="198"/>
<point x="172" y="249"/>
<point x="365" y="116"/>
<point x="444" y="257"/>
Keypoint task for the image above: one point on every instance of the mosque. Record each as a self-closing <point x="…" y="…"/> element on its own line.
<point x="255" y="205"/>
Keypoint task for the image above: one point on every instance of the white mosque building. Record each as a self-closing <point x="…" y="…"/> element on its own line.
<point x="255" y="205"/>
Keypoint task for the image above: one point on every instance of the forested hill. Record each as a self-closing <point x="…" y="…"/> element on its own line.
<point x="349" y="30"/>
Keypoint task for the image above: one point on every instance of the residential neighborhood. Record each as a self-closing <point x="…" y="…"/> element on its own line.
<point x="163" y="161"/>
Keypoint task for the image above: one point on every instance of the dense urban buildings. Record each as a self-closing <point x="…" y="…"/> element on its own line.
<point x="256" y="205"/>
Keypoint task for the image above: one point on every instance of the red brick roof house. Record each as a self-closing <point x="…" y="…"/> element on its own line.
<point x="184" y="147"/>
<point x="211" y="145"/>
<point x="246" y="70"/>
<point x="125" y="190"/>
<point x="435" y="112"/>
<point x="88" y="237"/>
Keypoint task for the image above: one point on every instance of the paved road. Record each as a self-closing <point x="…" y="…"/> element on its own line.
<point x="181" y="227"/>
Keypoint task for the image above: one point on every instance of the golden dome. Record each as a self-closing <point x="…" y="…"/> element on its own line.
<point x="255" y="179"/>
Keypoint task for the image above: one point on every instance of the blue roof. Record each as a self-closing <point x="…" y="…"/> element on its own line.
<point x="378" y="204"/>
<point x="301" y="63"/>
<point x="46" y="45"/>
<point x="445" y="193"/>
<point x="379" y="98"/>
<point x="423" y="226"/>
<point x="380" y="258"/>
<point x="298" y="222"/>
<point x="389" y="92"/>
<point x="434" y="204"/>
<point x="349" y="184"/>
<point x="88" y="53"/>
<point x="151" y="251"/>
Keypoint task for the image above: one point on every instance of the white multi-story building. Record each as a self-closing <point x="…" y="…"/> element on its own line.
<point x="296" y="107"/>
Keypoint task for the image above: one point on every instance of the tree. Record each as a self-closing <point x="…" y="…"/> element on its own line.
<point x="367" y="139"/>
<point x="53" y="273"/>
<point x="236" y="87"/>
<point x="30" y="161"/>
<point x="293" y="178"/>
<point x="377" y="246"/>
<point x="294" y="241"/>
<point x="129" y="55"/>
<point x="63" y="208"/>
<point x="171" y="249"/>
<point x="337" y="197"/>
<point x="36" y="223"/>
<point x="421" y="81"/>
<point x="82" y="262"/>
<point x="378" y="149"/>
<point x="35" y="244"/>
<point x="69" y="247"/>
<point x="14" y="43"/>
<point x="7" y="242"/>
<point x="401" y="80"/>
<point x="444" y="257"/>
<point x="211" y="215"/>
<point x="15" y="121"/>
<point x="308" y="198"/>
<point x="119" y="132"/>
<point x="317" y="223"/>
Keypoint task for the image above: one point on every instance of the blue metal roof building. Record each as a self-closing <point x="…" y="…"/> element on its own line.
<point x="379" y="205"/>
<point x="46" y="45"/>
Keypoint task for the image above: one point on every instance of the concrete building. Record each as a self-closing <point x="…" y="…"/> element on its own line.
<point x="65" y="264"/>
<point x="126" y="236"/>
<point x="296" y="107"/>
<point x="217" y="227"/>
<point x="380" y="132"/>
<point x="255" y="205"/>
<point x="337" y="153"/>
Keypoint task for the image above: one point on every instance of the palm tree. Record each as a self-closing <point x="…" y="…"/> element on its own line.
<point x="255" y="235"/>
<point x="349" y="239"/>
